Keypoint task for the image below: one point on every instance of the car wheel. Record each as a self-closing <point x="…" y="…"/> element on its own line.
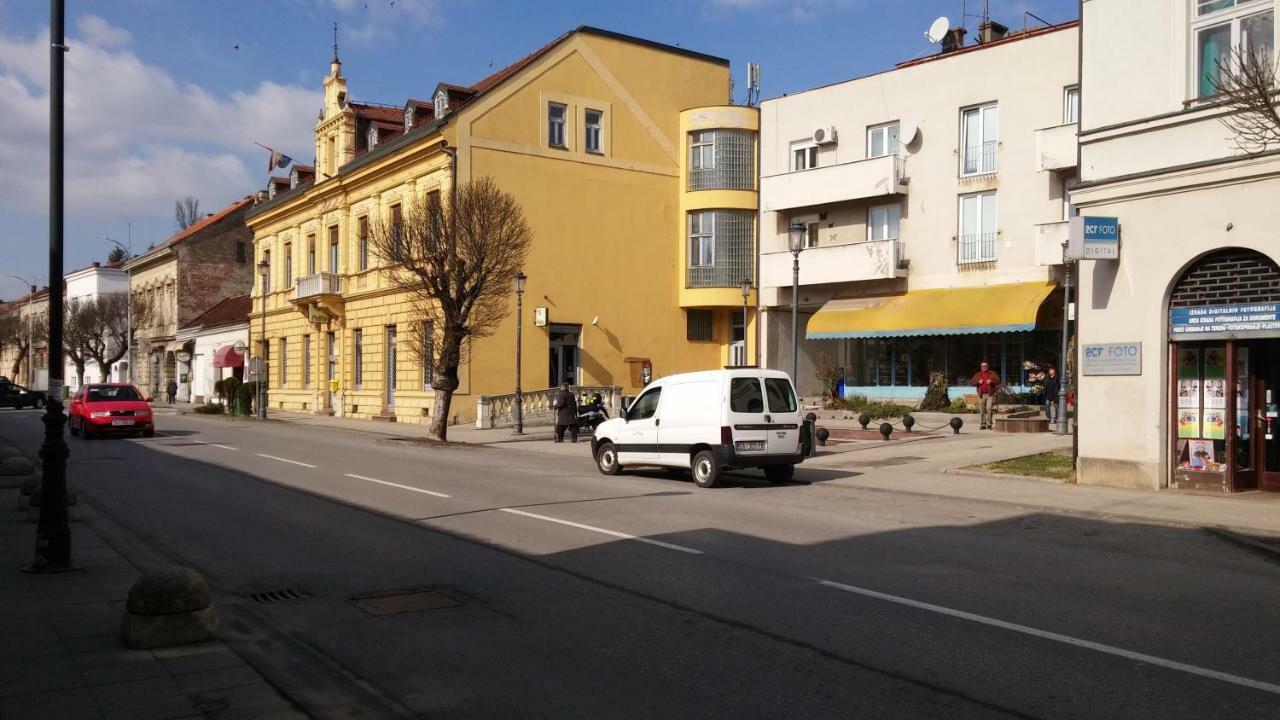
<point x="706" y="471"/>
<point x="779" y="474"/>
<point x="607" y="459"/>
<point x="37" y="403"/>
<point x="149" y="432"/>
<point x="71" y="428"/>
<point x="85" y="432"/>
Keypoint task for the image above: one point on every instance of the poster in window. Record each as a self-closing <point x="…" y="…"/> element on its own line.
<point x="1188" y="422"/>
<point x="1188" y="393"/>
<point x="1188" y="364"/>
<point x="1215" y="424"/>
<point x="1215" y="362"/>
<point x="1215" y="393"/>
<point x="1242" y="392"/>
<point x="1201" y="456"/>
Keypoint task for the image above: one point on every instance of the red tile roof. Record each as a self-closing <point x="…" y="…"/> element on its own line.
<point x="204" y="222"/>
<point x="230" y="311"/>
<point x="374" y="111"/>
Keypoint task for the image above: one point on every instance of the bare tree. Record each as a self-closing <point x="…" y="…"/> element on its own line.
<point x="11" y="328"/>
<point x="77" y="334"/>
<point x="111" y="320"/>
<point x="457" y="261"/>
<point x="1246" y="84"/>
<point x="27" y="333"/>
<point x="186" y="212"/>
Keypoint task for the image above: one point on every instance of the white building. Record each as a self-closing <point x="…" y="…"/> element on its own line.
<point x="88" y="284"/>
<point x="1196" y="286"/>
<point x="932" y="200"/>
<point x="213" y="336"/>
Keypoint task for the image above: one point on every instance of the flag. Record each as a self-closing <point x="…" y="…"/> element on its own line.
<point x="276" y="159"/>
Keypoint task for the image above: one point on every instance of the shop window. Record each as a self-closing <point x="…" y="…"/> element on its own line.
<point x="698" y="325"/>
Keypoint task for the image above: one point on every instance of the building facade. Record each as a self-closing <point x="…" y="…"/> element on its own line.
<point x="1193" y="294"/>
<point x="218" y="339"/>
<point x="87" y="285"/>
<point x="24" y="357"/>
<point x="590" y="134"/>
<point x="929" y="203"/>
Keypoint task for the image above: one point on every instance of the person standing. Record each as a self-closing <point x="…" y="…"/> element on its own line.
<point x="1052" y="384"/>
<point x="566" y="407"/>
<point x="171" y="389"/>
<point x="988" y="384"/>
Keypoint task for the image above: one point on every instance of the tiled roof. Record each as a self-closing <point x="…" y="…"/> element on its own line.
<point x="201" y="224"/>
<point x="230" y="311"/>
<point x="384" y="113"/>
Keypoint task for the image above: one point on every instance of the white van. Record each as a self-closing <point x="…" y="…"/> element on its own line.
<point x="708" y="422"/>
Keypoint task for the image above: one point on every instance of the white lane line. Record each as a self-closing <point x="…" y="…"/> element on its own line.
<point x="1056" y="637"/>
<point x="224" y="447"/>
<point x="410" y="488"/>
<point x="614" y="533"/>
<point x="285" y="460"/>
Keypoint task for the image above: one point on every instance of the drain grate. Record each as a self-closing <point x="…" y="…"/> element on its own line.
<point x="274" y="596"/>
<point x="404" y="601"/>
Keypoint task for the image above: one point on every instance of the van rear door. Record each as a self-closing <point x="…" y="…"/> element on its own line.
<point x="784" y="416"/>
<point x="747" y="416"/>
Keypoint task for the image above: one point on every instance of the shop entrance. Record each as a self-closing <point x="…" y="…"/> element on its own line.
<point x="1263" y="445"/>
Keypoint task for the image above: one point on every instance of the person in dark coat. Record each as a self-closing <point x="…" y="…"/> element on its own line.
<point x="171" y="390"/>
<point x="566" y="407"/>
<point x="1052" y="384"/>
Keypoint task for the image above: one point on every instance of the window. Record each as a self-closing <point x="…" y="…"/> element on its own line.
<point x="311" y="254"/>
<point x="978" y="128"/>
<point x="428" y="354"/>
<point x="288" y="264"/>
<point x="745" y="395"/>
<point x="722" y="160"/>
<point x="702" y="243"/>
<point x="408" y="118"/>
<point x="1222" y="27"/>
<point x="882" y="222"/>
<point x="804" y="156"/>
<point x="241" y="252"/>
<point x="362" y="226"/>
<point x="306" y="361"/>
<point x="698" y="325"/>
<point x="645" y="407"/>
<point x="358" y="361"/>
<point x="702" y="150"/>
<point x="266" y="277"/>
<point x="372" y="138"/>
<point x="433" y="218"/>
<point x="977" y="242"/>
<point x="1071" y="105"/>
<point x="333" y="156"/>
<point x="555" y="124"/>
<point x="397" y="225"/>
<point x="781" y="398"/>
<point x="334" y="255"/>
<point x="882" y="140"/>
<point x="811" y="234"/>
<point x="441" y="102"/>
<point x="390" y="375"/>
<point x="721" y="248"/>
<point x="284" y="361"/>
<point x="592" y="136"/>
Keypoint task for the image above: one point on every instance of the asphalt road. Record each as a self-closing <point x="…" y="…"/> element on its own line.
<point x="582" y="595"/>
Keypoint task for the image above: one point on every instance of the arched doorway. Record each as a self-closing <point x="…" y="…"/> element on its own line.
<point x="1224" y="351"/>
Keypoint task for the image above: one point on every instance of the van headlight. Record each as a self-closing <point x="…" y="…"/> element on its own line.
<point x="746" y="446"/>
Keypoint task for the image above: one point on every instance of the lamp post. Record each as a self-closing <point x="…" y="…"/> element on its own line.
<point x="264" y="268"/>
<point x="31" y="298"/>
<point x="795" y="237"/>
<point x="1066" y="327"/>
<point x="521" y="279"/>
<point x="746" y="293"/>
<point x="128" y="340"/>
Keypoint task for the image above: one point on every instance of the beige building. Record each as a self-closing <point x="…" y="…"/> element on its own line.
<point x="930" y="203"/>
<point x="30" y="331"/>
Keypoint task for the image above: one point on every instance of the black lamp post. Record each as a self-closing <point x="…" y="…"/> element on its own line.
<point x="264" y="269"/>
<point x="746" y="293"/>
<point x="521" y="279"/>
<point x="795" y="238"/>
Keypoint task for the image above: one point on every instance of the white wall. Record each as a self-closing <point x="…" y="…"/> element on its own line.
<point x="203" y="373"/>
<point x="88" y="284"/>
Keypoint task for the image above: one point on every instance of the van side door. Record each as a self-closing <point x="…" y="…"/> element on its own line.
<point x="638" y="438"/>
<point x="689" y="416"/>
<point x="783" y="417"/>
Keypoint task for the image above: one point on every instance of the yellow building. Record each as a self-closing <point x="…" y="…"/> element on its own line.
<point x="597" y="135"/>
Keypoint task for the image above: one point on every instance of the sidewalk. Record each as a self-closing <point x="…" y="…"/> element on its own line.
<point x="61" y="656"/>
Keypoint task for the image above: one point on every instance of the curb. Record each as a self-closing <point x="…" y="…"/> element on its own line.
<point x="1267" y="551"/>
<point x="964" y="470"/>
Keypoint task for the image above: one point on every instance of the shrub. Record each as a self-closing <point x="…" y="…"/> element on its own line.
<point x="877" y="410"/>
<point x="247" y="394"/>
<point x="935" y="397"/>
<point x="230" y="386"/>
<point x="959" y="406"/>
<point x="209" y="409"/>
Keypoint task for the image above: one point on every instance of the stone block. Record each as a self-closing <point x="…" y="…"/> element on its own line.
<point x="167" y="591"/>
<point x="8" y="451"/>
<point x="16" y="465"/>
<point x="144" y="632"/>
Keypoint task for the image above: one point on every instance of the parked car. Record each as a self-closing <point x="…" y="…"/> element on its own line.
<point x="15" y="396"/>
<point x="708" y="422"/>
<point x="110" y="408"/>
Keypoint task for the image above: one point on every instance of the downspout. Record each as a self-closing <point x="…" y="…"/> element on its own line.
<point x="759" y="221"/>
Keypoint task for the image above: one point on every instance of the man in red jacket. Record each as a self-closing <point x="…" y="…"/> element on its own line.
<point x="988" y="384"/>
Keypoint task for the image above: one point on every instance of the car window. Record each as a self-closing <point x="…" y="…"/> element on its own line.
<point x="112" y="393"/>
<point x="646" y="406"/>
<point x="745" y="395"/>
<point x="781" y="398"/>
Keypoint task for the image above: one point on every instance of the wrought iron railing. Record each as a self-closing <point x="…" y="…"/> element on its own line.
<point x="980" y="159"/>
<point x="977" y="248"/>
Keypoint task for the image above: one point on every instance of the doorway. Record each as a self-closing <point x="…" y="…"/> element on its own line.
<point x="331" y="374"/>
<point x="563" y="358"/>
<point x="389" y="401"/>
<point x="1261" y="418"/>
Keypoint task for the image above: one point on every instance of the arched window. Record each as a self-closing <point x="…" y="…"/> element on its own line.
<point x="1230" y="276"/>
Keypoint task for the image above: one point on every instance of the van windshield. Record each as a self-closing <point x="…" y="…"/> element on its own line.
<point x="745" y="395"/>
<point x="781" y="399"/>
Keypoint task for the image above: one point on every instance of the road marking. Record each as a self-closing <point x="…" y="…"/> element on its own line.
<point x="614" y="533"/>
<point x="285" y="460"/>
<point x="410" y="488"/>
<point x="224" y="447"/>
<point x="1056" y="637"/>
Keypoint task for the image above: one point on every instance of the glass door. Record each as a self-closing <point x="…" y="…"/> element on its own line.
<point x="332" y="373"/>
<point x="390" y="380"/>
<point x="1267" y="415"/>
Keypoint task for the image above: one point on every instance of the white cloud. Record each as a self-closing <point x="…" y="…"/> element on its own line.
<point x="797" y="9"/>
<point x="137" y="137"/>
<point x="101" y="33"/>
<point x="373" y="21"/>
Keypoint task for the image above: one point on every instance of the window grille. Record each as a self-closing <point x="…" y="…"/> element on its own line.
<point x="698" y="325"/>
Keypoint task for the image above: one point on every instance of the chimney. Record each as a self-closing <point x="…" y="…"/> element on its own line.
<point x="954" y="40"/>
<point x="991" y="31"/>
<point x="96" y="264"/>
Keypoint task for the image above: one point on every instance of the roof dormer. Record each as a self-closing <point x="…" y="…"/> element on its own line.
<point x="441" y="102"/>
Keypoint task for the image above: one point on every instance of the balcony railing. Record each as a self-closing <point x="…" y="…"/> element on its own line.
<point x="977" y="248"/>
<point x="860" y="180"/>
<point x="979" y="159"/>
<point x="1049" y="240"/>
<point x="847" y="262"/>
<point x="317" y="285"/>
<point x="1056" y="147"/>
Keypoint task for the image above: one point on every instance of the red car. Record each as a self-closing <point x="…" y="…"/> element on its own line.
<point x="110" y="408"/>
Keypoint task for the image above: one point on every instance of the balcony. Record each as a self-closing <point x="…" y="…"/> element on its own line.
<point x="317" y="286"/>
<point x="850" y="262"/>
<point x="1049" y="239"/>
<point x="1056" y="148"/>
<point x="861" y="180"/>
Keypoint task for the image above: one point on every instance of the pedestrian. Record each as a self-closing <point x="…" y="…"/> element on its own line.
<point x="566" y="407"/>
<point x="1052" y="384"/>
<point x="988" y="384"/>
<point x="171" y="389"/>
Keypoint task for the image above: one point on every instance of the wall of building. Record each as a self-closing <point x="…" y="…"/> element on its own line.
<point x="203" y="373"/>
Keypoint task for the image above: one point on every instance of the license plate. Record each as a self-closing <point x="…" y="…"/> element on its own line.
<point x="120" y="423"/>
<point x="750" y="446"/>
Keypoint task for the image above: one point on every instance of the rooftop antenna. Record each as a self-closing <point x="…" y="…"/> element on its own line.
<point x="938" y="30"/>
<point x="753" y="84"/>
<point x="335" y="41"/>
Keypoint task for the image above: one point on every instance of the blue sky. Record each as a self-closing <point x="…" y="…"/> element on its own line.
<point x="160" y="104"/>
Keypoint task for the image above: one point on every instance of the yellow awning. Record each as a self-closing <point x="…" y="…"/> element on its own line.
<point x="952" y="311"/>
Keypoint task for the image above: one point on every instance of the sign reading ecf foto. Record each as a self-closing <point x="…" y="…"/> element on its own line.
<point x="1093" y="238"/>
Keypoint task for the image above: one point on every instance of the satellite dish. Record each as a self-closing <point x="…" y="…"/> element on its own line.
<point x="938" y="30"/>
<point x="907" y="133"/>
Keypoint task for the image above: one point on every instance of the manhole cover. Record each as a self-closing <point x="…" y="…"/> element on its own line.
<point x="404" y="601"/>
<point x="889" y="462"/>
<point x="275" y="596"/>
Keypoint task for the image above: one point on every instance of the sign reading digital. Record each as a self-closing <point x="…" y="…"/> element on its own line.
<point x="1213" y="322"/>
<point x="1093" y="238"/>
<point x="1113" y="359"/>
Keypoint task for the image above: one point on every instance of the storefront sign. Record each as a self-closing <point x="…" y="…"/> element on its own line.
<point x="1093" y="238"/>
<point x="540" y="317"/>
<point x="1215" y="322"/>
<point x="1113" y="359"/>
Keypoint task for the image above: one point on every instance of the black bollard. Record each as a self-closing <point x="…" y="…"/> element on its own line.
<point x="908" y="421"/>
<point x="956" y="423"/>
<point x="885" y="430"/>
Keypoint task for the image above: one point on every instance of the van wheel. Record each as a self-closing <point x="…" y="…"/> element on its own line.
<point x="607" y="459"/>
<point x="706" y="471"/>
<point x="779" y="474"/>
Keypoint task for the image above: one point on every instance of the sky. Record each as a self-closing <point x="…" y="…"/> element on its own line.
<point x="166" y="98"/>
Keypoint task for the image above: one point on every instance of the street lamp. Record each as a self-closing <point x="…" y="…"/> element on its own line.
<point x="795" y="238"/>
<point x="1066" y="331"/>
<point x="264" y="268"/>
<point x="128" y="341"/>
<point x="746" y="293"/>
<point x="31" y="298"/>
<point x="521" y="279"/>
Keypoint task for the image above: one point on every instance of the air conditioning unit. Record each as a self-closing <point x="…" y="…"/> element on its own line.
<point x="825" y="136"/>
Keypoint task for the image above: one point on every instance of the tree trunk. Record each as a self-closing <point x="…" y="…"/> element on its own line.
<point x="446" y="383"/>
<point x="79" y="373"/>
<point x="104" y="369"/>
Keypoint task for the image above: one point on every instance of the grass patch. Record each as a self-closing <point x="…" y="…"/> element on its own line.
<point x="1053" y="465"/>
